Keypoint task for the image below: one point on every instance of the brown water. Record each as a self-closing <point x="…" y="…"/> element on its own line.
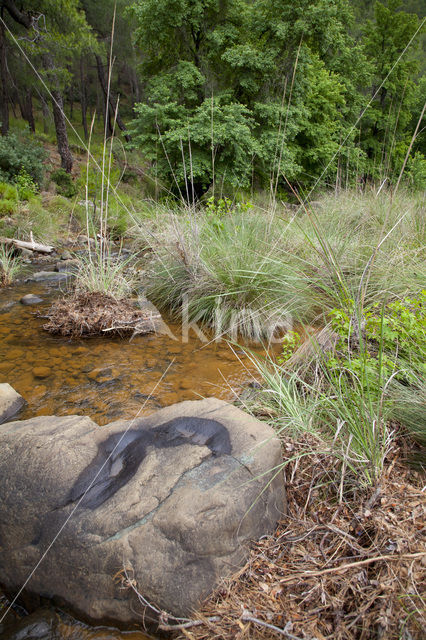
<point x="107" y="378"/>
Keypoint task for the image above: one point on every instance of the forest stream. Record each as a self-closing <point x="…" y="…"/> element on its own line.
<point x="107" y="379"/>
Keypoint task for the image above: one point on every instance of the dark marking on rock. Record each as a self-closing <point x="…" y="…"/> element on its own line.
<point x="119" y="457"/>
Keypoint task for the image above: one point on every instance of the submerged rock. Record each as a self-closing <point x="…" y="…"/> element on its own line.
<point x="31" y="298"/>
<point x="41" y="625"/>
<point x="10" y="402"/>
<point x="171" y="498"/>
<point x="67" y="266"/>
<point x="41" y="372"/>
<point x="48" y="276"/>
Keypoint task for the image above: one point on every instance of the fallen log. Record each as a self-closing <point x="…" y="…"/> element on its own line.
<point x="32" y="246"/>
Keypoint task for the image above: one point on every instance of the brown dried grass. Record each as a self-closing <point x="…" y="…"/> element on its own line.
<point x="90" y="314"/>
<point x="354" y="570"/>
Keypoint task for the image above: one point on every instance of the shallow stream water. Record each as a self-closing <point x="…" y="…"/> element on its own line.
<point x="107" y="378"/>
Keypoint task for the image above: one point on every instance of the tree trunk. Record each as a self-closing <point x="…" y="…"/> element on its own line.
<point x="112" y="101"/>
<point x="135" y="79"/>
<point x="4" y="95"/>
<point x="29" y="114"/>
<point x="26" y="108"/>
<point x="59" y="116"/>
<point x="83" y="99"/>
<point x="61" y="131"/>
<point x="21" y="105"/>
<point x="104" y="87"/>
<point x="134" y="84"/>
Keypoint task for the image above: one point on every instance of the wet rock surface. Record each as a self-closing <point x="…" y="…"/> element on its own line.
<point x="30" y="299"/>
<point x="67" y="266"/>
<point x="172" y="497"/>
<point x="40" y="625"/>
<point x="51" y="276"/>
<point x="10" y="402"/>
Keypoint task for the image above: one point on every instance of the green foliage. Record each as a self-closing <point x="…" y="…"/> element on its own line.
<point x="26" y="186"/>
<point x="66" y="34"/>
<point x="348" y="420"/>
<point x="182" y="140"/>
<point x="291" y="341"/>
<point x="393" y="341"/>
<point x="8" y="191"/>
<point x="8" y="199"/>
<point x="202" y="128"/>
<point x="218" y="208"/>
<point x="64" y="182"/>
<point x="391" y="118"/>
<point x="90" y="181"/>
<point x="118" y="219"/>
<point x="18" y="153"/>
<point x="416" y="171"/>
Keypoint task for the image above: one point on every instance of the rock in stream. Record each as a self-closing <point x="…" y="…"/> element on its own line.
<point x="10" y="402"/>
<point x="173" y="498"/>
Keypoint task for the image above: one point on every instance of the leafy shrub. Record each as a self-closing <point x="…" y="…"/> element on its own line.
<point x="21" y="153"/>
<point x="8" y="199"/>
<point x="291" y="341"/>
<point x="416" y="171"/>
<point x="8" y="192"/>
<point x="394" y="341"/>
<point x="64" y="183"/>
<point x="25" y="185"/>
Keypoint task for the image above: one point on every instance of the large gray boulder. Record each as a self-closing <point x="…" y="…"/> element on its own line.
<point x="173" y="498"/>
<point x="10" y="402"/>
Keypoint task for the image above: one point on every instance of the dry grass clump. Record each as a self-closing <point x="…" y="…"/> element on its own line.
<point x="89" y="314"/>
<point x="341" y="571"/>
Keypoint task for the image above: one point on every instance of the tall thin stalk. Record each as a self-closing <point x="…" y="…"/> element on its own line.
<point x="407" y="155"/>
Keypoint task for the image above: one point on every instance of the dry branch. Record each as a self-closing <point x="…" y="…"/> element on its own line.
<point x="32" y="246"/>
<point x="89" y="314"/>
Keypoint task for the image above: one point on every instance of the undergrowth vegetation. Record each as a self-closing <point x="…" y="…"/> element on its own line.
<point x="10" y="266"/>
<point x="106" y="274"/>
<point x="351" y="264"/>
<point x="242" y="270"/>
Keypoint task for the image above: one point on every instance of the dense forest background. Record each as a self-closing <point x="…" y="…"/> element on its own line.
<point x="266" y="94"/>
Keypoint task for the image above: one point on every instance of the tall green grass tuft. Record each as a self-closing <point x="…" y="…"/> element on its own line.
<point x="344" y="392"/>
<point x="106" y="274"/>
<point x="348" y="417"/>
<point x="10" y="266"/>
<point x="409" y="410"/>
<point x="239" y="271"/>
